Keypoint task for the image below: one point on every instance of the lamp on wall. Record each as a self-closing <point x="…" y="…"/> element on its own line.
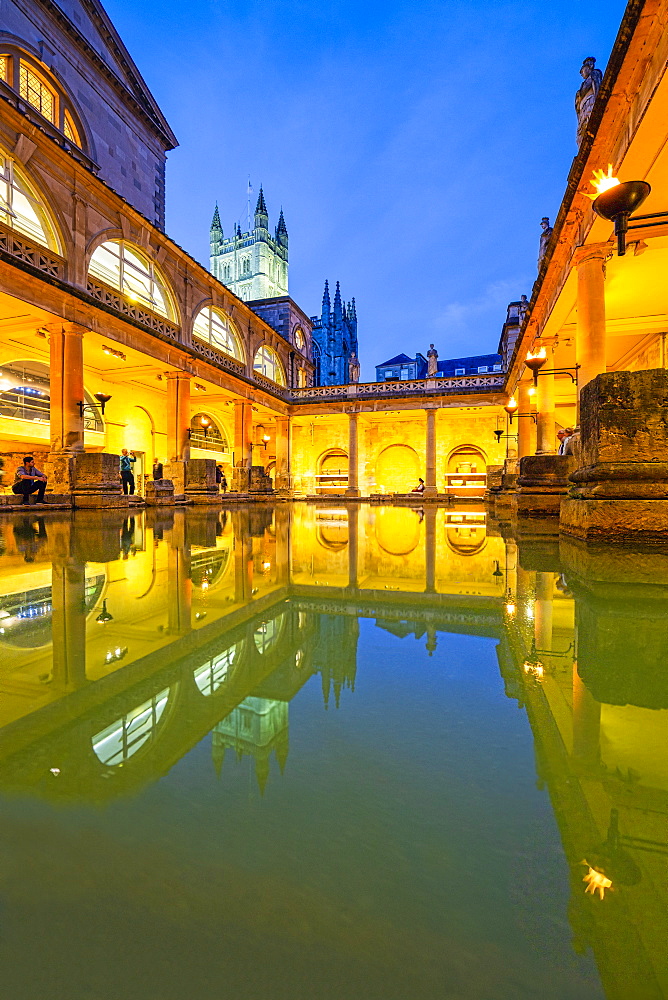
<point x="616" y="200"/>
<point x="102" y="399"/>
<point x="266" y="438"/>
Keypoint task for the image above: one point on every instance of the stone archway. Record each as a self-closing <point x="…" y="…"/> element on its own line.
<point x="398" y="468"/>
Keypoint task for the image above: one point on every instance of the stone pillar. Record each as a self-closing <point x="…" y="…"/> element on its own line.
<point x="243" y="557"/>
<point x="546" y="432"/>
<point x="178" y="416"/>
<point x="353" y="546"/>
<point x="282" y="476"/>
<point x="430" y="456"/>
<point x="243" y="450"/>
<point x="282" y="525"/>
<point x="526" y="428"/>
<point x="66" y="386"/>
<point x="590" y="351"/>
<point x="430" y="548"/>
<point x="353" y="487"/>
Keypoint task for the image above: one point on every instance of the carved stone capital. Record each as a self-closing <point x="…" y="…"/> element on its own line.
<point x="592" y="251"/>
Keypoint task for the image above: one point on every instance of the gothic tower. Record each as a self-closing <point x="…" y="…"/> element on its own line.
<point x="253" y="265"/>
<point x="334" y="339"/>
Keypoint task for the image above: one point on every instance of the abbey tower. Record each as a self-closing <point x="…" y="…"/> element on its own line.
<point x="253" y="265"/>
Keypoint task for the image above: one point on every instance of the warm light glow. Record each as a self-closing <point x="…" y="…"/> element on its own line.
<point x="602" y="182"/>
<point x="265" y="437"/>
<point x="531" y="356"/>
<point x="205" y="584"/>
<point x="596" y="882"/>
<point x="511" y="405"/>
<point x="204" y="421"/>
<point x="534" y="669"/>
<point x="266" y="566"/>
<point x="510" y="608"/>
<point x="532" y="391"/>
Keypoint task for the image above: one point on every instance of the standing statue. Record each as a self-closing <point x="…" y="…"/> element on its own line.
<point x="353" y="368"/>
<point x="586" y="94"/>
<point x="523" y="308"/>
<point x="432" y="361"/>
<point x="544" y="238"/>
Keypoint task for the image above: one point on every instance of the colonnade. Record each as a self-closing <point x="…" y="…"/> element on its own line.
<point x="430" y="489"/>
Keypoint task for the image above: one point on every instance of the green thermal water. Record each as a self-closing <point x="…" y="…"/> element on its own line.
<point x="311" y="752"/>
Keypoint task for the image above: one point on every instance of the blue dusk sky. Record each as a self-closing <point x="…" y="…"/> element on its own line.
<point x="414" y="147"/>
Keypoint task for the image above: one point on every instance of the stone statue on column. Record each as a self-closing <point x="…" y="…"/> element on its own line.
<point x="544" y="238"/>
<point x="353" y="368"/>
<point x="585" y="96"/>
<point x="432" y="361"/>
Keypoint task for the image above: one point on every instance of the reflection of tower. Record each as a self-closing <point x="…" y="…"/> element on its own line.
<point x="336" y="654"/>
<point x="257" y="728"/>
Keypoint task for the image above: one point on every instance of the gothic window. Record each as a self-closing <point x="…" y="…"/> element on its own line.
<point x="40" y="91"/>
<point x="245" y="265"/>
<point x="268" y="364"/>
<point x="215" y="327"/>
<point x="125" y="268"/>
<point x="22" y="209"/>
<point x="227" y="273"/>
<point x="300" y="343"/>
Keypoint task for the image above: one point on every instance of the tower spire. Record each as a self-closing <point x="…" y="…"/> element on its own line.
<point x="261" y="213"/>
<point x="338" y="305"/>
<point x="326" y="305"/>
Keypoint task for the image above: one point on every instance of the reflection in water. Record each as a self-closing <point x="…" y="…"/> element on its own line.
<point x="153" y="646"/>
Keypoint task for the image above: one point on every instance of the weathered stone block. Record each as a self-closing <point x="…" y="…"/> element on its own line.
<point x="96" y="481"/>
<point x="158" y="492"/>
<point x="542" y="483"/>
<point x="200" y="480"/>
<point x="615" y="519"/>
<point x="624" y="436"/>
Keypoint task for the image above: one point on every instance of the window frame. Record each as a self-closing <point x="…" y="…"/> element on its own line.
<point x="276" y="364"/>
<point x="65" y="117"/>
<point x="18" y="184"/>
<point x="153" y="273"/>
<point x="214" y="311"/>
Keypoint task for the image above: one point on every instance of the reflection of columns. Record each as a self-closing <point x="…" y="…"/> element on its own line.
<point x="430" y="465"/>
<point x="511" y="571"/>
<point x="526" y="428"/>
<point x="546" y="444"/>
<point x="282" y="557"/>
<point x="353" y="545"/>
<point x="243" y="421"/>
<point x="590" y="330"/>
<point x="179" y="583"/>
<point x="282" y="477"/>
<point x="243" y="557"/>
<point x="178" y="416"/>
<point x="543" y="610"/>
<point x="430" y="548"/>
<point x="66" y="386"/>
<point x="353" y="487"/>
<point x="68" y="623"/>
<point x="586" y="722"/>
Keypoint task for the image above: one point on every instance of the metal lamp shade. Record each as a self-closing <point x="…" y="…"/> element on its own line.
<point x="623" y="199"/>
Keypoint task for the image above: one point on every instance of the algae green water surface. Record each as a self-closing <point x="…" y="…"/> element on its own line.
<point x="311" y="752"/>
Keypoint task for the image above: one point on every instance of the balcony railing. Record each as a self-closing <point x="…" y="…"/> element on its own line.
<point x="453" y="385"/>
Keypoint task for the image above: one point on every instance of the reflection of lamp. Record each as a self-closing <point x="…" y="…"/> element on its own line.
<point x="498" y="572"/>
<point x="104" y="615"/>
<point x="609" y="864"/>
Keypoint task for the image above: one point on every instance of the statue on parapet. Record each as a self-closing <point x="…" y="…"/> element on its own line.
<point x="544" y="238"/>
<point x="585" y="96"/>
<point x="432" y="361"/>
<point x="353" y="368"/>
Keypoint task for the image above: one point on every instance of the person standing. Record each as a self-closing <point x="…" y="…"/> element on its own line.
<point x="157" y="470"/>
<point x="127" y="477"/>
<point x="221" y="481"/>
<point x="29" y="479"/>
<point x="564" y="436"/>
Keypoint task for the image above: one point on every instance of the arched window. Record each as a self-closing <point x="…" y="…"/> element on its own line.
<point x="267" y="634"/>
<point x="215" y="672"/>
<point x="22" y="209"/>
<point x="213" y="440"/>
<point x="268" y="364"/>
<point x="25" y="394"/>
<point x="37" y="87"/>
<point x="123" y="738"/>
<point x="300" y="342"/>
<point x="126" y="269"/>
<point x="216" y="328"/>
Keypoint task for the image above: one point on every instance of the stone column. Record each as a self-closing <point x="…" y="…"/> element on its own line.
<point x="282" y="524"/>
<point x="546" y="433"/>
<point x="243" y="557"/>
<point x="178" y="416"/>
<point x="282" y="477"/>
<point x="526" y="428"/>
<point x="353" y="546"/>
<point x="590" y="350"/>
<point x="243" y="451"/>
<point x="430" y="548"/>
<point x="66" y="387"/>
<point x="353" y="488"/>
<point x="430" y="456"/>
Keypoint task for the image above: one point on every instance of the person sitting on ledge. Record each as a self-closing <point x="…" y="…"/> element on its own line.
<point x="29" y="479"/>
<point x="420" y="487"/>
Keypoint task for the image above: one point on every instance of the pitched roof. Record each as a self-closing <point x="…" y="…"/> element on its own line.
<point x="399" y="360"/>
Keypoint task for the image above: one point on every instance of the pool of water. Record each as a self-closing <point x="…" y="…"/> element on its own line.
<point x="311" y="752"/>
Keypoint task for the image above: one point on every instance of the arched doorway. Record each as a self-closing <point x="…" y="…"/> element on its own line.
<point x="138" y="437"/>
<point x="466" y="474"/>
<point x="397" y="530"/>
<point x="398" y="469"/>
<point x="332" y="474"/>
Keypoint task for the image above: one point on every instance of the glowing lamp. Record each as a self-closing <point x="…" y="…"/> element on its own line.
<point x="102" y="398"/>
<point x="597" y="882"/>
<point x="536" y="361"/>
<point x="206" y="423"/>
<point x="616" y="200"/>
<point x="511" y="408"/>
